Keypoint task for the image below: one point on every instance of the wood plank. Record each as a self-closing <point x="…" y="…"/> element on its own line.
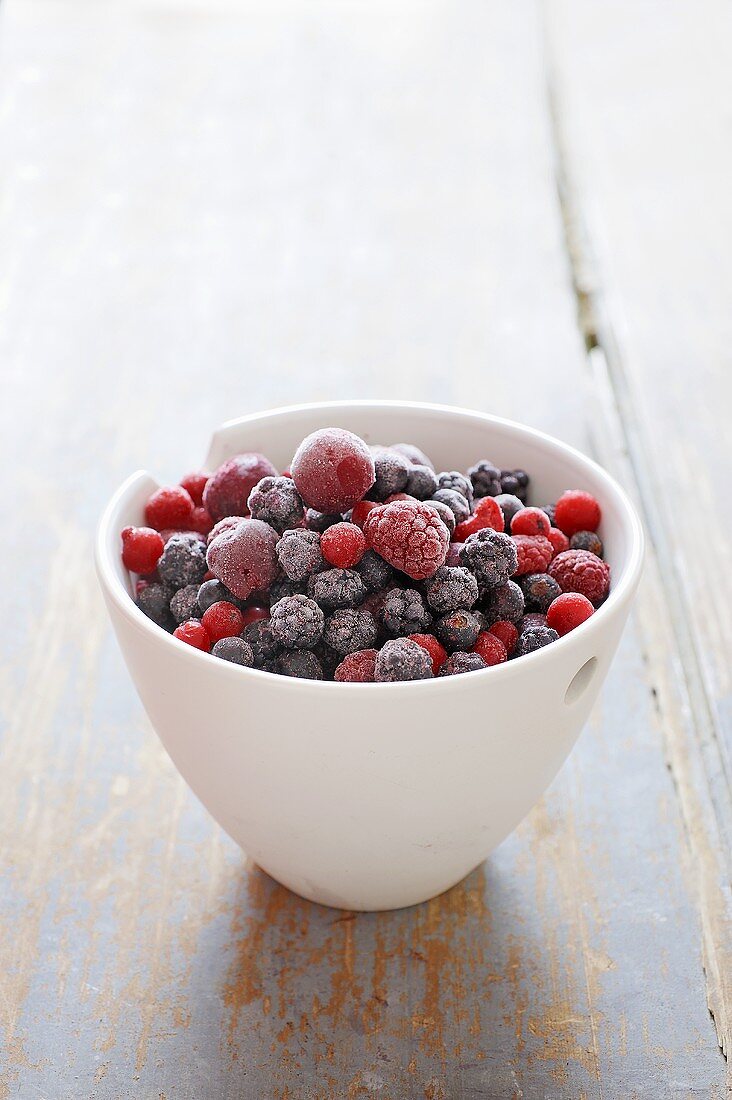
<point x="219" y="208"/>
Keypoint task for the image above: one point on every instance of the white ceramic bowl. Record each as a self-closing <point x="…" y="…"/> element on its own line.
<point x="376" y="796"/>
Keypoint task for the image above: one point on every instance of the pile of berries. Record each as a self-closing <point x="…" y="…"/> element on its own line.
<point x="365" y="563"/>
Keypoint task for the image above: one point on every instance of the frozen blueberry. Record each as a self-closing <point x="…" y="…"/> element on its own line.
<point x="375" y="572"/>
<point x="321" y="521"/>
<point x="453" y="479"/>
<point x="534" y="638"/>
<point x="392" y="471"/>
<point x="297" y="622"/>
<point x="485" y="479"/>
<point x="549" y="509"/>
<point x="235" y="650"/>
<point x="335" y="588"/>
<point x="539" y="591"/>
<point x="455" y="501"/>
<point x="298" y="553"/>
<point x="404" y="612"/>
<point x="301" y="663"/>
<point x="348" y="630"/>
<point x="183" y="560"/>
<point x="460" y="662"/>
<point x="421" y="482"/>
<point x="154" y="601"/>
<point x="184" y="604"/>
<point x="509" y="505"/>
<point x="446" y="514"/>
<point x="402" y="659"/>
<point x="490" y="555"/>
<point x="586" y="540"/>
<point x="452" y="587"/>
<point x="276" y="501"/>
<point x="213" y="591"/>
<point x="515" y="482"/>
<point x="503" y="603"/>
<point x="531" y="621"/>
<point x="457" y="630"/>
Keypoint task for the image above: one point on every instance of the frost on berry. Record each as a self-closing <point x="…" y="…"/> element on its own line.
<point x="408" y="535"/>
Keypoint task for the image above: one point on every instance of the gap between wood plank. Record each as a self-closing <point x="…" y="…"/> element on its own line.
<point x="622" y="448"/>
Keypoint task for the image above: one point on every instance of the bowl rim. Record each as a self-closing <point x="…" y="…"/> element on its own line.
<point x="619" y="594"/>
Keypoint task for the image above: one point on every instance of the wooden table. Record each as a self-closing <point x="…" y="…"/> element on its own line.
<point x="212" y="207"/>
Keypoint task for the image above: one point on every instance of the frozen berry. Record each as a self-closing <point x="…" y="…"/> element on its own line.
<point x="283" y="586"/>
<point x="490" y="648"/>
<point x="235" y="650"/>
<point x="349" y="630"/>
<point x="244" y="558"/>
<point x="581" y="571"/>
<point x="487" y="514"/>
<point x="485" y="479"/>
<point x="141" y="549"/>
<point x="297" y="622"/>
<point x="436" y="650"/>
<point x="515" y="482"/>
<point x="154" y="601"/>
<point x="404" y="612"/>
<point x="410" y="536"/>
<point x="491" y="555"/>
<point x="361" y="510"/>
<point x="228" y="523"/>
<point x="332" y="470"/>
<point x="276" y="501"/>
<point x="343" y="545"/>
<point x="534" y="638"/>
<point x="539" y="591"/>
<point x="453" y="479"/>
<point x="184" y="604"/>
<point x="587" y="540"/>
<point x="402" y="659"/>
<point x="200" y="521"/>
<point x="358" y="668"/>
<point x="263" y="642"/>
<point x="336" y="588"/>
<point x="227" y="490"/>
<point x="549" y="510"/>
<point x="506" y="633"/>
<point x="530" y="521"/>
<point x="183" y="561"/>
<point x="458" y="630"/>
<point x="413" y="454"/>
<point x="461" y="662"/>
<point x="452" y="588"/>
<point x="300" y="663"/>
<point x="568" y="611"/>
<point x="576" y="511"/>
<point x="453" y="553"/>
<point x="212" y="592"/>
<point x="532" y="620"/>
<point x="391" y="471"/>
<point x="445" y="514"/>
<point x="375" y="572"/>
<point x="455" y="501"/>
<point x="510" y="506"/>
<point x="421" y="482"/>
<point x="193" y="633"/>
<point x="558" y="539"/>
<point x="254" y="614"/>
<point x="534" y="552"/>
<point x="194" y="484"/>
<point x="169" y="507"/>
<point x="504" y="602"/>
<point x="321" y="521"/>
<point x="299" y="554"/>
<point x="222" y="620"/>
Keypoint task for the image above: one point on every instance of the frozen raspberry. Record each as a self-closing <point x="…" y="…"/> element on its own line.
<point x="200" y="521"/>
<point x="263" y="642"/>
<point x="576" y="511"/>
<point x="194" y="484"/>
<point x="391" y="471"/>
<point x="455" y="501"/>
<point x="332" y="470"/>
<point x="235" y="650"/>
<point x="222" y="620"/>
<point x="515" y="482"/>
<point x="212" y="592"/>
<point x="244" y="558"/>
<point x="404" y="612"/>
<point x="276" y="501"/>
<point x="491" y="555"/>
<point x="506" y="633"/>
<point x="539" y="591"/>
<point x="299" y="554"/>
<point x="490" y="648"/>
<point x="559" y="540"/>
<point x="227" y="490"/>
<point x="534" y="553"/>
<point x="228" y="523"/>
<point x="458" y="630"/>
<point x="296" y="622"/>
<point x="361" y="510"/>
<point x="421" y="482"/>
<point x="321" y="521"/>
<point x="184" y="604"/>
<point x="530" y="521"/>
<point x="568" y="611"/>
<point x="452" y="588"/>
<point x="357" y="668"/>
<point x="453" y="479"/>
<point x="169" y="507"/>
<point x="183" y="561"/>
<point x="510" y="506"/>
<point x="504" y="602"/>
<point x="444" y="513"/>
<point x="587" y="540"/>
<point x="336" y="588"/>
<point x="349" y="630"/>
<point x="485" y="479"/>
<point x="402" y="659"/>
<point x="193" y="633"/>
<point x="487" y="514"/>
<point x="154" y="601"/>
<point x="581" y="571"/>
<point x="410" y="536"/>
<point x="461" y="662"/>
<point x="300" y="663"/>
<point x="254" y="614"/>
<point x="534" y="638"/>
<point x="375" y="572"/>
<point x="437" y="652"/>
<point x="343" y="545"/>
<point x="141" y="549"/>
<point x="412" y="454"/>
